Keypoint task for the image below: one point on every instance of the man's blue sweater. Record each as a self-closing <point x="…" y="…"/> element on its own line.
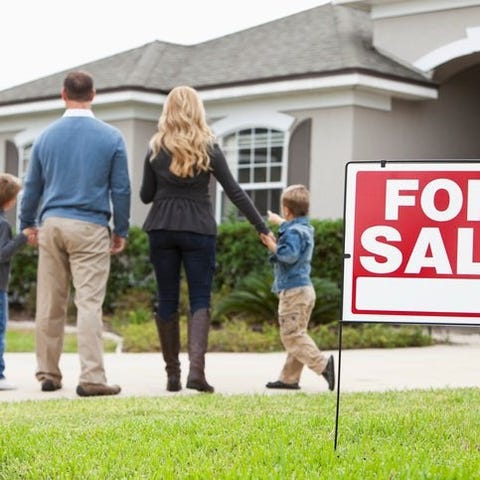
<point x="78" y="169"/>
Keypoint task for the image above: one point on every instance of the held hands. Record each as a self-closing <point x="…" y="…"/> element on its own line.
<point x="269" y="241"/>
<point x="32" y="235"/>
<point x="118" y="244"/>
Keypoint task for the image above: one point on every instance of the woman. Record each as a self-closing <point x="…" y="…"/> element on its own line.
<point x="181" y="227"/>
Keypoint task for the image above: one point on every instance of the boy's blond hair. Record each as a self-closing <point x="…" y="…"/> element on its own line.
<point x="9" y="188"/>
<point x="297" y="199"/>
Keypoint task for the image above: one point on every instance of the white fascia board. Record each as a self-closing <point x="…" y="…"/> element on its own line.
<point x="296" y="102"/>
<point x="357" y="81"/>
<point x="129" y="96"/>
<point x="413" y="7"/>
<point x="350" y="80"/>
<point x="100" y="100"/>
<point x="396" y="88"/>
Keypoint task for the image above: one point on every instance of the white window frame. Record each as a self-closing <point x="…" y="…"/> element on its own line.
<point x="261" y="120"/>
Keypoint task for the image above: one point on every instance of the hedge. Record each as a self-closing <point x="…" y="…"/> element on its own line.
<point x="239" y="253"/>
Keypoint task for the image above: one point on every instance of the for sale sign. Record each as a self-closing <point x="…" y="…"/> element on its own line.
<point x="412" y="243"/>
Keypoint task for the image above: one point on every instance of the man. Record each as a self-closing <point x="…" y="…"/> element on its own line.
<point x="77" y="174"/>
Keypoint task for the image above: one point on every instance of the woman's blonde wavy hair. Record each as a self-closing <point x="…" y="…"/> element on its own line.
<point x="183" y="131"/>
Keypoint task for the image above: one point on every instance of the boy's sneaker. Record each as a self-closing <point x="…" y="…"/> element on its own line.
<point x="280" y="384"/>
<point x="6" y="385"/>
<point x="329" y="373"/>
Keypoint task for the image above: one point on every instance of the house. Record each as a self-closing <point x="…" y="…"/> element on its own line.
<point x="292" y="100"/>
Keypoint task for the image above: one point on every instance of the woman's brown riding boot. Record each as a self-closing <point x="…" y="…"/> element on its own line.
<point x="169" y="333"/>
<point x="198" y="326"/>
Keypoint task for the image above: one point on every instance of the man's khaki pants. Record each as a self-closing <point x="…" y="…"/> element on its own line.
<point x="77" y="251"/>
<point x="294" y="309"/>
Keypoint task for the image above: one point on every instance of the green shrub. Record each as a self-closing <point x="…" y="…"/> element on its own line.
<point x="239" y="253"/>
<point x="327" y="261"/>
<point x="240" y="336"/>
<point x="253" y="299"/>
<point x="139" y="337"/>
<point x="23" y="280"/>
<point x="370" y="336"/>
<point x="131" y="270"/>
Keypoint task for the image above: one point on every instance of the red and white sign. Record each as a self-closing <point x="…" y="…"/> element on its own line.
<point x="412" y="243"/>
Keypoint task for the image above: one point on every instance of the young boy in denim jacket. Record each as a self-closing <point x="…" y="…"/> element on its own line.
<point x="9" y="188"/>
<point x="291" y="256"/>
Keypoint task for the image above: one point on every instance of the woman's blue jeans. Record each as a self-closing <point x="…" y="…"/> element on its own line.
<point x="169" y="250"/>
<point x="3" y="328"/>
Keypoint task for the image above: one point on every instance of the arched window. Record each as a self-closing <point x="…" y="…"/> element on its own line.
<point x="257" y="158"/>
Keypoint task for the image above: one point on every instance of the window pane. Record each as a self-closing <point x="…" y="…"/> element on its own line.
<point x="275" y="174"/>
<point x="245" y="139"/>
<point x="244" y="175"/>
<point x="26" y="153"/>
<point x="260" y="199"/>
<point x="276" y="154"/>
<point x="261" y="137"/>
<point x="244" y="157"/>
<point x="276" y="138"/>
<point x="261" y="155"/>
<point x="260" y="175"/>
<point x="275" y="200"/>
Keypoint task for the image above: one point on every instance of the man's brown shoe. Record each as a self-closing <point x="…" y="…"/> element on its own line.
<point x="49" y="385"/>
<point x="97" y="389"/>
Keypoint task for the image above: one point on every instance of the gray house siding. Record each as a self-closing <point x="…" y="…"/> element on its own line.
<point x="331" y="150"/>
<point x="299" y="153"/>
<point x="446" y="128"/>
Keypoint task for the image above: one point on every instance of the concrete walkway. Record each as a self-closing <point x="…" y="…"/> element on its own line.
<point x="143" y="374"/>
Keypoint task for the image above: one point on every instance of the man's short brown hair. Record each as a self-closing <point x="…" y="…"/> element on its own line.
<point x="78" y="86"/>
<point x="297" y="199"/>
<point x="9" y="188"/>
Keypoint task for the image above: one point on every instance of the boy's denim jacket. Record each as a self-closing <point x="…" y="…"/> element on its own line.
<point x="294" y="254"/>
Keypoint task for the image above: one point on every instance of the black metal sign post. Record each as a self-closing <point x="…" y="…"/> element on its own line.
<point x="337" y="410"/>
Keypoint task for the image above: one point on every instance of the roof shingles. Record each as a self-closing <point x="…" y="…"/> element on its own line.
<point x="319" y="41"/>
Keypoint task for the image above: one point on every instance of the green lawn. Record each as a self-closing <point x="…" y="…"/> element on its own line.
<point x="396" y="435"/>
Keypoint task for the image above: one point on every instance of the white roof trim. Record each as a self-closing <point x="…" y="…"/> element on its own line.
<point x="459" y="48"/>
<point x="124" y="96"/>
<point x="350" y="80"/>
<point x="379" y="9"/>
<point x="361" y="81"/>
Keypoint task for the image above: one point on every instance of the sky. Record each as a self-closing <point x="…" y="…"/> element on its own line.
<point x="41" y="37"/>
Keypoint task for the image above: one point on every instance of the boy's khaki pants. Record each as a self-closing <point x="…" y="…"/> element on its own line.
<point x="294" y="309"/>
<point x="77" y="251"/>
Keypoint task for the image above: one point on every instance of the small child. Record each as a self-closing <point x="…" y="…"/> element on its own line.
<point x="291" y="256"/>
<point x="9" y="188"/>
